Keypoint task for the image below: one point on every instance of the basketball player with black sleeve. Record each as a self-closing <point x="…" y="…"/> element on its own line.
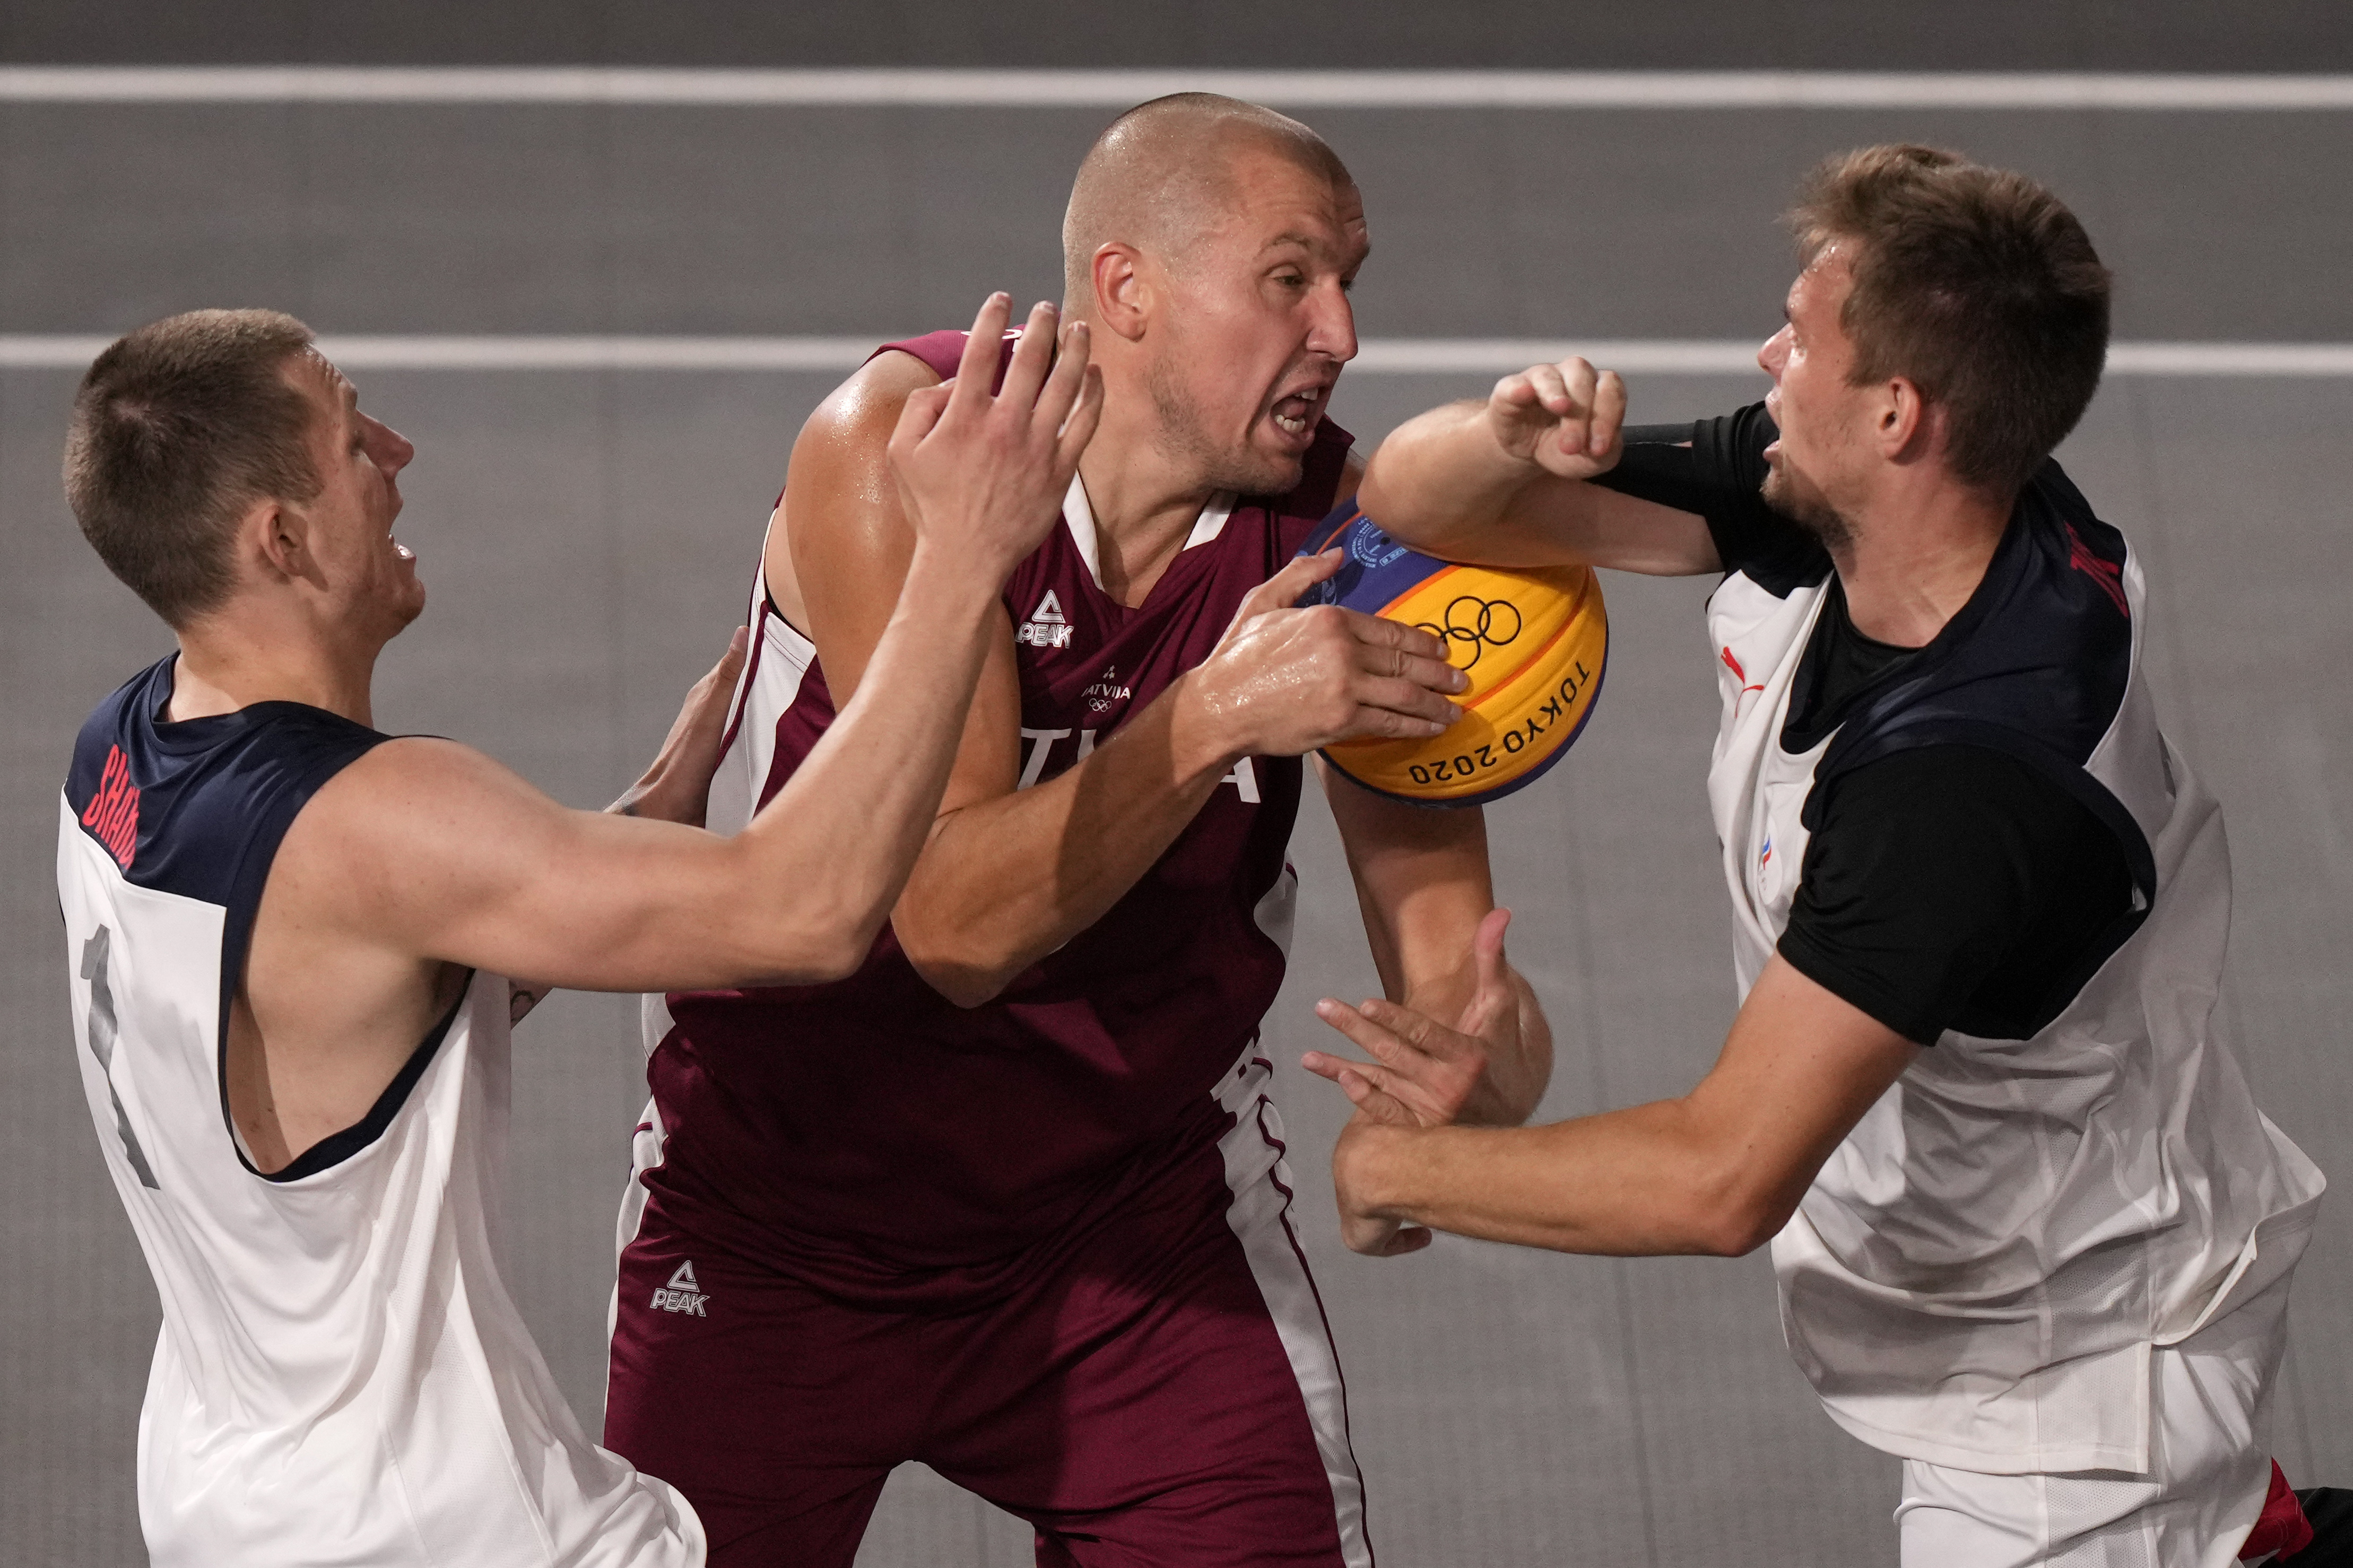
<point x="2032" y="1232"/>
<point x="288" y="935"/>
<point x="1019" y="1211"/>
<point x="1944" y="886"/>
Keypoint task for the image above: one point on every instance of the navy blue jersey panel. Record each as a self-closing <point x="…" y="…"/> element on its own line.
<point x="198" y="808"/>
<point x="2035" y="664"/>
<point x="211" y="792"/>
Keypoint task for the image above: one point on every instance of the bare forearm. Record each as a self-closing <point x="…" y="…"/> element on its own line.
<point x="1006" y="881"/>
<point x="1440" y="482"/>
<point x="1632" y="1183"/>
<point x="843" y="834"/>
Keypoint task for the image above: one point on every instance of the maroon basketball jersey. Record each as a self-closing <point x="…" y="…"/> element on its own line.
<point x="887" y="1146"/>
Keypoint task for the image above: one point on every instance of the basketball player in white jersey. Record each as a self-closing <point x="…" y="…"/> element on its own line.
<point x="289" y="935"/>
<point x="2030" y="1231"/>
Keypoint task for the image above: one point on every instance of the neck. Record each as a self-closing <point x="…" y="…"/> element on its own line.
<point x="1918" y="550"/>
<point x="225" y="665"/>
<point x="1145" y="498"/>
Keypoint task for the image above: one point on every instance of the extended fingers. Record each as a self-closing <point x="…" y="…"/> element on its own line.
<point x="1033" y="355"/>
<point x="1282" y="591"/>
<point x="1372" y="631"/>
<point x="1377" y="1037"/>
<point x="1404" y="668"/>
<point x="1079" y="428"/>
<point x="1399" y="664"/>
<point x="918" y="416"/>
<point x="976" y="370"/>
<point x="1425" y="1034"/>
<point x="1069" y="376"/>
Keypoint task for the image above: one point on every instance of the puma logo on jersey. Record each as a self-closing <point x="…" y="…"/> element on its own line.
<point x="1047" y="625"/>
<point x="682" y="1294"/>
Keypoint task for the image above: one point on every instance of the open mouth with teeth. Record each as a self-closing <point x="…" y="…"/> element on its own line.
<point x="1295" y="415"/>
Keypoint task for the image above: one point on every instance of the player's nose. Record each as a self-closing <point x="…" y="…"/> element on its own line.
<point x="1775" y="354"/>
<point x="1334" y="332"/>
<point x="390" y="448"/>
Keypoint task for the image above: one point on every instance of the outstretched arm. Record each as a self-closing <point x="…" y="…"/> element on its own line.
<point x="1716" y="1172"/>
<point x="441" y="853"/>
<point x="1502" y="482"/>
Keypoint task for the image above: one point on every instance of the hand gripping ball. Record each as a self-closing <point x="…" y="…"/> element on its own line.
<point x="1533" y="642"/>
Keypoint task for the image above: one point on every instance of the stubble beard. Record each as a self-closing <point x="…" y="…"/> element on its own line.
<point x="1185" y="435"/>
<point x="1807" y="507"/>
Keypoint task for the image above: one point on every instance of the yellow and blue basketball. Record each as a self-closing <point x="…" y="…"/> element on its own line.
<point x="1534" y="644"/>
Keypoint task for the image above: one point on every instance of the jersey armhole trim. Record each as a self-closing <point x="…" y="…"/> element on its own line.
<point x="337" y="1147"/>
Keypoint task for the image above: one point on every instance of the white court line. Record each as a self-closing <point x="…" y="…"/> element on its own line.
<point x="1118" y="88"/>
<point x="1378" y="356"/>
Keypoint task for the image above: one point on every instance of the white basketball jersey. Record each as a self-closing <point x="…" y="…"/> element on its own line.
<point x="341" y="1377"/>
<point x="1978" y="1273"/>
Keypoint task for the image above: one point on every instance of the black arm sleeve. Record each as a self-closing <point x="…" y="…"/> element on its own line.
<point x="1716" y="468"/>
<point x="1954" y="887"/>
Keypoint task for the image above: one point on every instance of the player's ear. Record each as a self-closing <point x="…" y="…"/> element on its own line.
<point x="1903" y="424"/>
<point x="1123" y="293"/>
<point x="276" y="539"/>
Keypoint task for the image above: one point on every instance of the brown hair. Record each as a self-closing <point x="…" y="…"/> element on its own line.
<point x="178" y="428"/>
<point x="1977" y="286"/>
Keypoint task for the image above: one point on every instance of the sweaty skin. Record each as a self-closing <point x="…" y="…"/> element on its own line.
<point x="1217" y="362"/>
<point x="423" y="859"/>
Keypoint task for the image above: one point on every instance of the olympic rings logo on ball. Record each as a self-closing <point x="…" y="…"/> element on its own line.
<point x="1482" y="627"/>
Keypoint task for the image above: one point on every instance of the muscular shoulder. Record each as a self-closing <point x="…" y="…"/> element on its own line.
<point x="412" y="807"/>
<point x="842" y="455"/>
<point x="866" y="406"/>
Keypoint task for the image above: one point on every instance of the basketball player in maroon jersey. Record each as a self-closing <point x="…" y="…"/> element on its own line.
<point x="1010" y="1200"/>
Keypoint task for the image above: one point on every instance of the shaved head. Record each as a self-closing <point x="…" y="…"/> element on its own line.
<point x="1163" y="176"/>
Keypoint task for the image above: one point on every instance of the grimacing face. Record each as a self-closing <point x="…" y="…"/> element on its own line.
<point x="358" y="460"/>
<point x="1258" y="327"/>
<point x="1813" y="404"/>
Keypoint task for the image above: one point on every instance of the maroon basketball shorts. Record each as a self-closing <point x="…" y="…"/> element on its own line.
<point x="1164" y="1394"/>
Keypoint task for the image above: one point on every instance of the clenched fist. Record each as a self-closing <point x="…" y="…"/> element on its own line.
<point x="1564" y="417"/>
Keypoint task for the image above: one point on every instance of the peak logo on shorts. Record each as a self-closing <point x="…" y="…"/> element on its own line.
<point x="1047" y="627"/>
<point x="682" y="1294"/>
<point x="113" y="813"/>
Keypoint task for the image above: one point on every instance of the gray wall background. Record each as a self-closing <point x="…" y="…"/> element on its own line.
<point x="588" y="536"/>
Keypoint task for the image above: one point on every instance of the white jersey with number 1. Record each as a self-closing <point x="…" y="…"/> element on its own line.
<point x="341" y="1377"/>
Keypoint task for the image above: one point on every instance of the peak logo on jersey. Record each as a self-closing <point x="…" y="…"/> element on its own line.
<point x="113" y="813"/>
<point x="1047" y="627"/>
<point x="682" y="1294"/>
